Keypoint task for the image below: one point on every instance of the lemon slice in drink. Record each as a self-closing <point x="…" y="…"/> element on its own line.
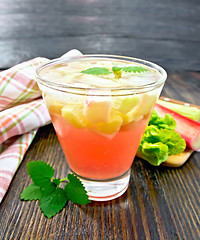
<point x="143" y="107"/>
<point x="112" y="126"/>
<point x="53" y="106"/>
<point x="125" y="108"/>
<point x="97" y="111"/>
<point x="127" y="104"/>
<point x="147" y="102"/>
<point x="131" y="117"/>
<point x="73" y="114"/>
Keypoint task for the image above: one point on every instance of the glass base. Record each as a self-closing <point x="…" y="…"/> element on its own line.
<point x="104" y="190"/>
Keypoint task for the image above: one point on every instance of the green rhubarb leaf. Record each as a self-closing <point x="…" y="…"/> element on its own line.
<point x="32" y="192"/>
<point x="154" y="153"/>
<point x="176" y="144"/>
<point x="151" y="135"/>
<point x="166" y="122"/>
<point x="75" y="190"/>
<point x="97" y="71"/>
<point x="160" y="140"/>
<point x="40" y="173"/>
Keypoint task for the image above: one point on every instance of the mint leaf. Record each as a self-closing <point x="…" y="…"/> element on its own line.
<point x="51" y="204"/>
<point x="56" y="181"/>
<point x="76" y="191"/>
<point x="97" y="71"/>
<point x="40" y="172"/>
<point x="49" y="189"/>
<point x="134" y="69"/>
<point x="32" y="192"/>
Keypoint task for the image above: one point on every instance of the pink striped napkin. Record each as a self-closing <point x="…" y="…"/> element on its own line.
<point x="22" y="112"/>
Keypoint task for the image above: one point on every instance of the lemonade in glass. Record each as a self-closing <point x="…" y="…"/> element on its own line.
<point x="100" y="106"/>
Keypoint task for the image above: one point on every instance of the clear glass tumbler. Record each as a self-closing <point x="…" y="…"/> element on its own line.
<point x="99" y="118"/>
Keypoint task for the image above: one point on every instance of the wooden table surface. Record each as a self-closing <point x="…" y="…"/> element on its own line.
<point x="165" y="32"/>
<point x="160" y="203"/>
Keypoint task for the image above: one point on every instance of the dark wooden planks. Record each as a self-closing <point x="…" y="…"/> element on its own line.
<point x="24" y="49"/>
<point x="160" y="203"/>
<point x="166" y="32"/>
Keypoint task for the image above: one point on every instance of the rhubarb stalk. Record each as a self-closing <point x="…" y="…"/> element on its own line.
<point x="187" y="128"/>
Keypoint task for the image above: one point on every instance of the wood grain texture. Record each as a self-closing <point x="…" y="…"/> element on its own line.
<point x="165" y="32"/>
<point x="160" y="203"/>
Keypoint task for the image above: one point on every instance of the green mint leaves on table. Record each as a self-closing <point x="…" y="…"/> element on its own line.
<point x="45" y="188"/>
<point x="116" y="70"/>
<point x="160" y="140"/>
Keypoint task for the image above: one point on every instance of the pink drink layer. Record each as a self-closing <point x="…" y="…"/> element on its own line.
<point x="94" y="156"/>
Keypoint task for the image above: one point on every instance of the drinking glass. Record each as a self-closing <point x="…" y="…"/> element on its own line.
<point x="100" y="127"/>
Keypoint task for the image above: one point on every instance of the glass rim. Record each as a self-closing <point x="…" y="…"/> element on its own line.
<point x="59" y="86"/>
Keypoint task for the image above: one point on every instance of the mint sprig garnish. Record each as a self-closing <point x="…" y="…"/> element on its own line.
<point x="116" y="70"/>
<point x="45" y="188"/>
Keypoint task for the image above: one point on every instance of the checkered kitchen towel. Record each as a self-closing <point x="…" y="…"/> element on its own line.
<point x="22" y="112"/>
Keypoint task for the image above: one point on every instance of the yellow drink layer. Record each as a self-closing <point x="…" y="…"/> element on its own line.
<point x="104" y="115"/>
<point x="71" y="73"/>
